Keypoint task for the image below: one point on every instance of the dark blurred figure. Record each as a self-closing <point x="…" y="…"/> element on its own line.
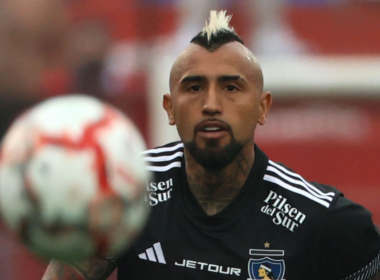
<point x="89" y="42"/>
<point x="31" y="40"/>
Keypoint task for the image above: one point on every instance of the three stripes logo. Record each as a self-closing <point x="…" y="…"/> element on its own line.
<point x="154" y="254"/>
<point x="278" y="207"/>
<point x="293" y="182"/>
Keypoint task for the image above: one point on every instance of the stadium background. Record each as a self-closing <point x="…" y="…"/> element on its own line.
<point x="321" y="61"/>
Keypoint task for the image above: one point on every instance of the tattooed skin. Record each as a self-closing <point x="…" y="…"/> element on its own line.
<point x="58" y="271"/>
<point x="215" y="190"/>
<point x="96" y="269"/>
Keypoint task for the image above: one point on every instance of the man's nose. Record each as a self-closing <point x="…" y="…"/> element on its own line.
<point x="212" y="103"/>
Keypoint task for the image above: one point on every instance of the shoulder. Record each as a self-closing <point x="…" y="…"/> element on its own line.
<point x="319" y="197"/>
<point x="349" y="242"/>
<point x="164" y="158"/>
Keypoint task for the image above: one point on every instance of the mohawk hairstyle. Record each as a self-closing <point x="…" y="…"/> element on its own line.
<point x="217" y="32"/>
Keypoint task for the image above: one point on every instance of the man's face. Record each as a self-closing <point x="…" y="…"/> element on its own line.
<point x="216" y="102"/>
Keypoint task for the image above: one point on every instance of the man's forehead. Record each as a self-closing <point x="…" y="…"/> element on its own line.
<point x="232" y="53"/>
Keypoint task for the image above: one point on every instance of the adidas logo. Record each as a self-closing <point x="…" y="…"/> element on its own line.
<point x="154" y="254"/>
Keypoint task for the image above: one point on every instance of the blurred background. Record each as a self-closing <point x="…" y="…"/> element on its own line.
<point x="321" y="61"/>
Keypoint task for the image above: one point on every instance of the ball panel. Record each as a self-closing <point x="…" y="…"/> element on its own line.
<point x="124" y="165"/>
<point x="64" y="181"/>
<point x="133" y="221"/>
<point x="15" y="205"/>
<point x="58" y="243"/>
<point x="67" y="114"/>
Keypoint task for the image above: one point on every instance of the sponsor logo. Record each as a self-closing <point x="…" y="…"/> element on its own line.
<point x="209" y="267"/>
<point x="283" y="213"/>
<point x="158" y="191"/>
<point x="265" y="267"/>
<point x="154" y="254"/>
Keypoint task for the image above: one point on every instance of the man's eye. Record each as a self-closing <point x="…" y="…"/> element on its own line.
<point x="195" y="88"/>
<point x="231" y="88"/>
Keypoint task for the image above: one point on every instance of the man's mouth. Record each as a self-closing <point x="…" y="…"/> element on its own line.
<point x="211" y="129"/>
<point x="212" y="126"/>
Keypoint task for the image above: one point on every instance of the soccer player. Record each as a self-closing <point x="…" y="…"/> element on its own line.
<point x="220" y="208"/>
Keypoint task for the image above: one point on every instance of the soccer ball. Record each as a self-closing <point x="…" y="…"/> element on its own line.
<point x="72" y="179"/>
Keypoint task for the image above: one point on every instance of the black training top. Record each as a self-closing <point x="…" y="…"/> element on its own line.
<point x="278" y="226"/>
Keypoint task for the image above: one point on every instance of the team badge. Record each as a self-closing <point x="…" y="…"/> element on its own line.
<point x="266" y="267"/>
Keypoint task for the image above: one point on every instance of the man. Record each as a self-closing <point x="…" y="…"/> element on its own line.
<point x="219" y="205"/>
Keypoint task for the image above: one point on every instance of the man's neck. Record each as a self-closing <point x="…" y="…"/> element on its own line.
<point x="215" y="189"/>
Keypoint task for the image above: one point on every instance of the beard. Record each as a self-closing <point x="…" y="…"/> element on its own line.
<point x="212" y="157"/>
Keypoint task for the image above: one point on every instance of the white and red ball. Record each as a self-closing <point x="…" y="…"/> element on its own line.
<point x="72" y="179"/>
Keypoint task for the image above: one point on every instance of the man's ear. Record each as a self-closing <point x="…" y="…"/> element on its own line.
<point x="265" y="103"/>
<point x="168" y="106"/>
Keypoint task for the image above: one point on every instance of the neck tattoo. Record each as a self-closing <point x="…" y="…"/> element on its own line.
<point x="215" y="190"/>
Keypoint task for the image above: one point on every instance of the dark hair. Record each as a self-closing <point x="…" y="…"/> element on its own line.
<point x="223" y="36"/>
